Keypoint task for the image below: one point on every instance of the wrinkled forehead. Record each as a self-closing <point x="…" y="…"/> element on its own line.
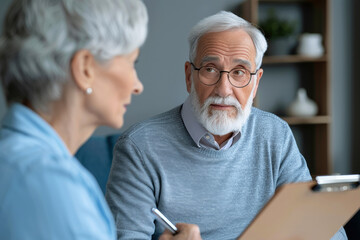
<point x="218" y="60"/>
<point x="227" y="47"/>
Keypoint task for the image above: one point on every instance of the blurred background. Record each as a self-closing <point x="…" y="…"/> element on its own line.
<point x="162" y="58"/>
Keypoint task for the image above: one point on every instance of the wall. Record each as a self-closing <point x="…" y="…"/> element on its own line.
<point x="342" y="49"/>
<point x="161" y="66"/>
<point x="3" y="6"/>
<point x="162" y="58"/>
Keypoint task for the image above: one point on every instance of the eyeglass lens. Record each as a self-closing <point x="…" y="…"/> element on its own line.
<point x="238" y="77"/>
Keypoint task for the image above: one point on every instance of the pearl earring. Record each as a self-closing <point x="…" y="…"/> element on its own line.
<point x="89" y="91"/>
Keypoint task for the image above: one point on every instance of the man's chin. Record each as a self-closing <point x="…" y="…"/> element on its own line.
<point x="230" y="114"/>
<point x="219" y="126"/>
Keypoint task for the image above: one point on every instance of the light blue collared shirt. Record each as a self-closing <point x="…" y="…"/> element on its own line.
<point x="199" y="134"/>
<point x="45" y="193"/>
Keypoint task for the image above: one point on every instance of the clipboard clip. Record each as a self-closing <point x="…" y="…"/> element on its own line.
<point x="336" y="183"/>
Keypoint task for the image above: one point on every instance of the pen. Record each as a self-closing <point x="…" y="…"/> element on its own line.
<point x="163" y="220"/>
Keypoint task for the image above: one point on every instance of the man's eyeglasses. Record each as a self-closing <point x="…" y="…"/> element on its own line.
<point x="238" y="77"/>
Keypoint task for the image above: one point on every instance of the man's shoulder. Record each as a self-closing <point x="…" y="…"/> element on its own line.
<point x="261" y="116"/>
<point x="164" y="122"/>
<point x="266" y="123"/>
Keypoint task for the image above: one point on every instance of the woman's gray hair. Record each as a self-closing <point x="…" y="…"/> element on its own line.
<point x="41" y="37"/>
<point x="223" y="21"/>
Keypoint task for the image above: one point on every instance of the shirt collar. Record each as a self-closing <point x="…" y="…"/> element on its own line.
<point x="197" y="131"/>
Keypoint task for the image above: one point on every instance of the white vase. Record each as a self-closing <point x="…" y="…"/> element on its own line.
<point x="302" y="106"/>
<point x="310" y="44"/>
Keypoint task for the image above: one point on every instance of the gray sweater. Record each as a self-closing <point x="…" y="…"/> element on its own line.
<point x="156" y="163"/>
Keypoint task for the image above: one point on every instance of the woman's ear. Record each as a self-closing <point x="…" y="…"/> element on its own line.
<point x="82" y="69"/>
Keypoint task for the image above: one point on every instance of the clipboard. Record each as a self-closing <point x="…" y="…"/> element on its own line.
<point x="307" y="210"/>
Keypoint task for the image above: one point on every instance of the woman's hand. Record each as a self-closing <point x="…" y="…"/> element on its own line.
<point x="185" y="232"/>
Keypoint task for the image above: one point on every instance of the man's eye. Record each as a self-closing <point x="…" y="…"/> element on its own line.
<point x="238" y="72"/>
<point x="210" y="69"/>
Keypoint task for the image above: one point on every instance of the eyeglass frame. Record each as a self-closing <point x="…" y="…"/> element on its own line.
<point x="228" y="76"/>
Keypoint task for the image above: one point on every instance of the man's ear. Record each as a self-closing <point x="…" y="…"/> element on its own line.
<point x="259" y="75"/>
<point x="82" y="69"/>
<point x="188" y="76"/>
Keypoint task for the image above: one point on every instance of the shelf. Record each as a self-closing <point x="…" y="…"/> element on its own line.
<point x="292" y="59"/>
<point x="307" y="120"/>
<point x="311" y="133"/>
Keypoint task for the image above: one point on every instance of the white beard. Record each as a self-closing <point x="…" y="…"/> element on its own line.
<point x="219" y="122"/>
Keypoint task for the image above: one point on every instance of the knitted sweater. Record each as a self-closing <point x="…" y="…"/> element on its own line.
<point x="156" y="163"/>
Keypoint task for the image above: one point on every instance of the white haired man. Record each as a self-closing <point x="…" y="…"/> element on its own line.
<point x="215" y="160"/>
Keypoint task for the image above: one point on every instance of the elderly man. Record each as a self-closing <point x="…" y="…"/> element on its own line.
<point x="215" y="160"/>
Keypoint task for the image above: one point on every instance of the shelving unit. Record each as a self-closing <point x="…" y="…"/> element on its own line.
<point x="292" y="59"/>
<point x="314" y="132"/>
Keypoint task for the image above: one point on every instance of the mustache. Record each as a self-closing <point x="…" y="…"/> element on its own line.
<point x="229" y="100"/>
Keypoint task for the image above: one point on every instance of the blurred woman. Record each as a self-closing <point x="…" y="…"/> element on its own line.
<point x="66" y="67"/>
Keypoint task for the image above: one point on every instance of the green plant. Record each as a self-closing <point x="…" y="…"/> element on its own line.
<point x="274" y="27"/>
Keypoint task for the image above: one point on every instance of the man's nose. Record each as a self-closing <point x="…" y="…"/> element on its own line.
<point x="223" y="87"/>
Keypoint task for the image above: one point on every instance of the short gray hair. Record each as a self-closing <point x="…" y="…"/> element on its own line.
<point x="224" y="21"/>
<point x="41" y="37"/>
